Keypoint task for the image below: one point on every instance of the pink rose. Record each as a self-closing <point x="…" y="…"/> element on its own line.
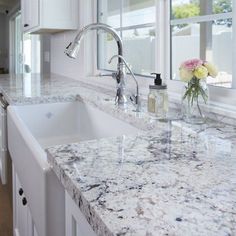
<point x="192" y="64"/>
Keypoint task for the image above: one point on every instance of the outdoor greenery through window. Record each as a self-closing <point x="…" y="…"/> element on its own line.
<point x="135" y="21"/>
<point x="203" y="29"/>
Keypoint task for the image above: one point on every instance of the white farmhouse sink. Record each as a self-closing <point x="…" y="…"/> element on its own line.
<point x="31" y="129"/>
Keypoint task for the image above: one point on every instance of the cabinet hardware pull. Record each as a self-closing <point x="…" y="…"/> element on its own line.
<point x="21" y="191"/>
<point x="24" y="201"/>
<point x="26" y="25"/>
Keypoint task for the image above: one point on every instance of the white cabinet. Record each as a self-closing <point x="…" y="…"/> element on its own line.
<point x="43" y="16"/>
<point x="30" y="14"/>
<point x="23" y="224"/>
<point x="76" y="224"/>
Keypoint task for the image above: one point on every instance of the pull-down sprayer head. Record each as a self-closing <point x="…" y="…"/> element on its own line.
<point x="72" y="50"/>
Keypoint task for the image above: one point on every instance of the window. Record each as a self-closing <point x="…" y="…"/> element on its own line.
<point x="203" y="29"/>
<point x="32" y="53"/>
<point x="159" y="35"/>
<point x="18" y="45"/>
<point x="135" y="21"/>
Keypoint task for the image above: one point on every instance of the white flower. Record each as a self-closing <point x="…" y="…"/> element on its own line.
<point x="212" y="70"/>
<point x="185" y="75"/>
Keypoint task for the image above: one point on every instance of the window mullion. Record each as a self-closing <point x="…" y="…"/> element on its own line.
<point x="234" y="46"/>
<point x="121" y="18"/>
<point x="160" y="37"/>
<point x="157" y="39"/>
<point x="140" y="26"/>
<point x="205" y="18"/>
<point x="167" y="43"/>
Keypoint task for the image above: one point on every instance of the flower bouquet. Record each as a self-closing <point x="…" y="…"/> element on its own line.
<point x="195" y="95"/>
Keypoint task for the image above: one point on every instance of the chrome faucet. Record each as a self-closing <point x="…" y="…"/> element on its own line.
<point x="135" y="99"/>
<point x="72" y="51"/>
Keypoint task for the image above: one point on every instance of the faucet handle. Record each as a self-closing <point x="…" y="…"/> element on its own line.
<point x="120" y="97"/>
<point x="113" y="75"/>
<point x="118" y="92"/>
<point x="133" y="98"/>
<point x="136" y="101"/>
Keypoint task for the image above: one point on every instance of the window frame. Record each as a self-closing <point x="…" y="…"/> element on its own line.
<point x="219" y="96"/>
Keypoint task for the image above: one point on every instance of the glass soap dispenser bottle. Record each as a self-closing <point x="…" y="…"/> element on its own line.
<point x="158" y="98"/>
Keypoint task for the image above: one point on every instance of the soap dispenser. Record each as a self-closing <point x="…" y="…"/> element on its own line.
<point x="158" y="98"/>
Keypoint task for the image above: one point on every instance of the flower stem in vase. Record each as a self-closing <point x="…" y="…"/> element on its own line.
<point x="194" y="72"/>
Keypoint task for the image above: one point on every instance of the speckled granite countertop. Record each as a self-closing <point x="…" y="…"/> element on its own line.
<point x="35" y="88"/>
<point x="171" y="180"/>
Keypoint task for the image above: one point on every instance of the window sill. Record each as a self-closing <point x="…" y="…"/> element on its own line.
<point x="217" y="110"/>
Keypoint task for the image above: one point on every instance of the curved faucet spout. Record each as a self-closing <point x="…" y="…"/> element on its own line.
<point x="72" y="49"/>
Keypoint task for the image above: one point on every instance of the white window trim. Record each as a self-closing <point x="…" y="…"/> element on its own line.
<point x="219" y="96"/>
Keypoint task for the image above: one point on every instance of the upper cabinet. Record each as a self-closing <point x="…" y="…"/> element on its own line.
<point x="49" y="16"/>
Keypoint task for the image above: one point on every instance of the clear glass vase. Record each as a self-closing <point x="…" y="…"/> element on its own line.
<point x="195" y="97"/>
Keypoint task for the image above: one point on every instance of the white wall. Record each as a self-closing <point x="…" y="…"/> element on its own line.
<point x="45" y="54"/>
<point x="60" y="63"/>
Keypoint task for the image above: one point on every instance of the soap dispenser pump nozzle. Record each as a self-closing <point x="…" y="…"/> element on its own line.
<point x="157" y="80"/>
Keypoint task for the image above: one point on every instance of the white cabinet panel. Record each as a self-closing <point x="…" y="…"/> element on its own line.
<point x="23" y="224"/>
<point x="76" y="224"/>
<point x="20" y="210"/>
<point x="30" y="14"/>
<point x="43" y="16"/>
<point x="34" y="13"/>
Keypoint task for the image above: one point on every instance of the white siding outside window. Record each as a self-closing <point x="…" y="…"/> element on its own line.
<point x="135" y="21"/>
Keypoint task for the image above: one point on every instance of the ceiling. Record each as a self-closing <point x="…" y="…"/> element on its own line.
<point x="7" y="5"/>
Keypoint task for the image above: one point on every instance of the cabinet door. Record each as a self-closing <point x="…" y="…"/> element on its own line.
<point x="43" y="16"/>
<point x="19" y="210"/>
<point x="23" y="224"/>
<point x="30" y="14"/>
<point x="76" y="224"/>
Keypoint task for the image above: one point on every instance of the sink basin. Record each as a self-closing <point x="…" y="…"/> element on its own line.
<point x="31" y="129"/>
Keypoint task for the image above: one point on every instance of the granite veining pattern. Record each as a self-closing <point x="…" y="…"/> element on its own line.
<point x="173" y="181"/>
<point x="170" y="179"/>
